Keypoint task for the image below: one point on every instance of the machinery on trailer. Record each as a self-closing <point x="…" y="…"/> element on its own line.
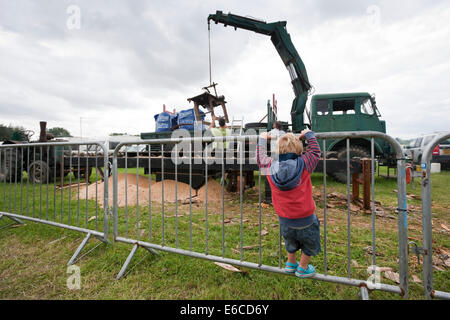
<point x="42" y="163"/>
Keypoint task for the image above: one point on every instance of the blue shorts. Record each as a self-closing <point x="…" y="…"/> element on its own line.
<point x="306" y="238"/>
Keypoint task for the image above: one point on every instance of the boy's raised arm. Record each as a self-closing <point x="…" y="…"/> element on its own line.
<point x="312" y="155"/>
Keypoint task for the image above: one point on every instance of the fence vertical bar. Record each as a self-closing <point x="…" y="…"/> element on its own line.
<point x="176" y="195"/>
<point x="137" y="193"/>
<point x="223" y="199"/>
<point x="150" y="192"/>
<point x="48" y="173"/>
<point x="240" y="198"/>
<point x="10" y="179"/>
<point x="78" y="186"/>
<point x="325" y="267"/>
<point x="54" y="184"/>
<point x="372" y="172"/>
<point x="162" y="192"/>
<point x="61" y="166"/>
<point x="28" y="177"/>
<point x="96" y="187"/>
<point x="87" y="175"/>
<point x="15" y="182"/>
<point x="4" y="181"/>
<point x="126" y="193"/>
<point x="402" y="227"/>
<point x="40" y="184"/>
<point x="106" y="194"/>
<point x="206" y="200"/>
<point x="190" y="196"/>
<point x="21" y="178"/>
<point x="34" y="179"/>
<point x="348" y="211"/>
<point x="427" y="236"/>
<point x="115" y="193"/>
<point x="70" y="182"/>
<point x="259" y="217"/>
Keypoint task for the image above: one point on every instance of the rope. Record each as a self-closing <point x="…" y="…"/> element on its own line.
<point x="209" y="52"/>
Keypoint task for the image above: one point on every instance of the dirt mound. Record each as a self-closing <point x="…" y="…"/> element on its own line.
<point x="127" y="191"/>
<point x="214" y="191"/>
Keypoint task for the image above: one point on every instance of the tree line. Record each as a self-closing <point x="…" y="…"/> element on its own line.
<point x="19" y="133"/>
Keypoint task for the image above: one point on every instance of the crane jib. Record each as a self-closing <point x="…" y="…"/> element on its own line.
<point x="287" y="52"/>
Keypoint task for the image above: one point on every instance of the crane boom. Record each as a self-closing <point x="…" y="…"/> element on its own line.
<point x="285" y="48"/>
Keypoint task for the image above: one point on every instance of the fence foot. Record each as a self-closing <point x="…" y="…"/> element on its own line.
<point x="127" y="262"/>
<point x="81" y="246"/>
<point x="12" y="218"/>
<point x="130" y="256"/>
<point x="151" y="250"/>
<point x="364" y="293"/>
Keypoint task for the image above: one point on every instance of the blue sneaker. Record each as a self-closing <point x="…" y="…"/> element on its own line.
<point x="302" y="273"/>
<point x="290" y="267"/>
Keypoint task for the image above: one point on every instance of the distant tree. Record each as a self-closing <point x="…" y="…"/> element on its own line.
<point x="59" y="132"/>
<point x="13" y="133"/>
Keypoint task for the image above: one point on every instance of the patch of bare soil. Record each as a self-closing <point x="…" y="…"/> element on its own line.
<point x="129" y="194"/>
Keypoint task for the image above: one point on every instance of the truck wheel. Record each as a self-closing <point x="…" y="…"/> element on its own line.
<point x="355" y="152"/>
<point x="8" y="170"/>
<point x="38" y="171"/>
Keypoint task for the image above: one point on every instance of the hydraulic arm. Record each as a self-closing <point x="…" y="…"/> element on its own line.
<point x="291" y="59"/>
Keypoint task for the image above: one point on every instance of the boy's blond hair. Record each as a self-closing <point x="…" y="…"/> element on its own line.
<point x="289" y="143"/>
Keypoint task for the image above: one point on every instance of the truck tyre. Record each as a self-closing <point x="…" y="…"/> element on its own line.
<point x="8" y="170"/>
<point x="355" y="152"/>
<point x="39" y="172"/>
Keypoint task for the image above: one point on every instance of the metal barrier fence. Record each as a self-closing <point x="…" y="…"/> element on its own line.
<point x="427" y="232"/>
<point x="42" y="182"/>
<point x="158" y="214"/>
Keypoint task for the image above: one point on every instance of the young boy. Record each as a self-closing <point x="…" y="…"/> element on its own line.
<point x="290" y="182"/>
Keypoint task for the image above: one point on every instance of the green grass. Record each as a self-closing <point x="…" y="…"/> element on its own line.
<point x="33" y="257"/>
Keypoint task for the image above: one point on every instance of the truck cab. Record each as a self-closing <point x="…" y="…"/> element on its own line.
<point x="345" y="112"/>
<point x="355" y="111"/>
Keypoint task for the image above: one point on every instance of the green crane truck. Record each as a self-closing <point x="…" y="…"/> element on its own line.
<point x="328" y="112"/>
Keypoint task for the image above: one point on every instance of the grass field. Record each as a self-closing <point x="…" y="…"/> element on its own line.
<point x="33" y="256"/>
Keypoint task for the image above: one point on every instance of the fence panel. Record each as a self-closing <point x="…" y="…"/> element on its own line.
<point x="185" y="195"/>
<point x="427" y="231"/>
<point x="49" y="183"/>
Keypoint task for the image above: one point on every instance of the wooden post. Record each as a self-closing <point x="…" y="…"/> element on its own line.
<point x="355" y="186"/>
<point x="366" y="174"/>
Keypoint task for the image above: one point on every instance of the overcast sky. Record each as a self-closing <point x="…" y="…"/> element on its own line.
<point x="112" y="69"/>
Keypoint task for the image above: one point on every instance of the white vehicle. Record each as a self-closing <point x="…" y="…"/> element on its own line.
<point x="441" y="152"/>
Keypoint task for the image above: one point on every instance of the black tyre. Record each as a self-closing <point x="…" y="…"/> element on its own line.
<point x="355" y="152"/>
<point x="38" y="172"/>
